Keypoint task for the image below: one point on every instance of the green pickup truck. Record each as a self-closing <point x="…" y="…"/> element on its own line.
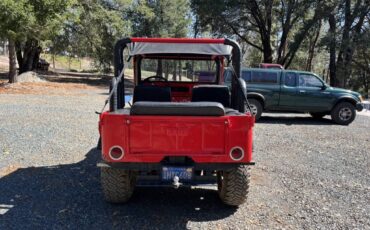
<point x="297" y="91"/>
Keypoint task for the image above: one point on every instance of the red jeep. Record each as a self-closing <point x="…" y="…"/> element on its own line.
<point x="184" y="127"/>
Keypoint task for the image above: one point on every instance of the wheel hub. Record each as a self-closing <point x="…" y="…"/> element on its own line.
<point x="253" y="108"/>
<point x="345" y="114"/>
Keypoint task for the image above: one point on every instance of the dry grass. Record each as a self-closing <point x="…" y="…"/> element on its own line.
<point x="42" y="88"/>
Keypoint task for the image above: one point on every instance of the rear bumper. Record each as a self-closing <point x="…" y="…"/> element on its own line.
<point x="158" y="166"/>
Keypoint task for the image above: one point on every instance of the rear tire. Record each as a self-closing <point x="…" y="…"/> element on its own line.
<point x="317" y="115"/>
<point x="118" y="185"/>
<point x="343" y="113"/>
<point x="256" y="108"/>
<point x="233" y="185"/>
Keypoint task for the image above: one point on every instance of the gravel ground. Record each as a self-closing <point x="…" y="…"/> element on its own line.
<point x="309" y="174"/>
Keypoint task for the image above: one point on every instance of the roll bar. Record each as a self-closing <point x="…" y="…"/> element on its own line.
<point x="117" y="100"/>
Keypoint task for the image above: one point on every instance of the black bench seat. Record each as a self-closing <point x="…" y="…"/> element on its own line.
<point x="177" y="108"/>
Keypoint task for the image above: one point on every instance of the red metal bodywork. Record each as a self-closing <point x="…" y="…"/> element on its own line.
<point x="151" y="138"/>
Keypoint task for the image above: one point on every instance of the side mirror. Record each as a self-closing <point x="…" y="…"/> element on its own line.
<point x="323" y="87"/>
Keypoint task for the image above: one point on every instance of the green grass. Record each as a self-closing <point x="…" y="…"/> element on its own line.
<point x="69" y="63"/>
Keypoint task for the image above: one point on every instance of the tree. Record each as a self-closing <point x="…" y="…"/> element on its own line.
<point x="161" y="18"/>
<point x="13" y="19"/>
<point x="92" y="28"/>
<point x="48" y="16"/>
<point x="361" y="59"/>
<point x="26" y="23"/>
<point x="354" y="18"/>
<point x="263" y="24"/>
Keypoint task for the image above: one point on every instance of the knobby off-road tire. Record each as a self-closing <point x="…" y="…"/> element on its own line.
<point x="317" y="115"/>
<point x="343" y="113"/>
<point x="233" y="185"/>
<point x="256" y="108"/>
<point x="118" y="185"/>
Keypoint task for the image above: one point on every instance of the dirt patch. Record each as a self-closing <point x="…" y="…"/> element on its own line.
<point x="29" y="77"/>
<point x="50" y="88"/>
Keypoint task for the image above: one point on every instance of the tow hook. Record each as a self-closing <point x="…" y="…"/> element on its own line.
<point x="176" y="182"/>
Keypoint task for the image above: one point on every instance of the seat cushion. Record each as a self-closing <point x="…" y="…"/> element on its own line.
<point x="212" y="93"/>
<point x="151" y="93"/>
<point x="178" y="108"/>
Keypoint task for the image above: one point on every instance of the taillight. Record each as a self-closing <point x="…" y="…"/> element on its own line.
<point x="236" y="153"/>
<point x="116" y="153"/>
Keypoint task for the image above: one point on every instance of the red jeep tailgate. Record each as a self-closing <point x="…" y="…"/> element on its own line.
<point x="151" y="138"/>
<point x="176" y="135"/>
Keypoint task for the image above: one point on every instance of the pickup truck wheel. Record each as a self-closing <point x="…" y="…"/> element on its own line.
<point x="343" y="113"/>
<point x="256" y="108"/>
<point x="233" y="185"/>
<point x="118" y="185"/>
<point x="317" y="115"/>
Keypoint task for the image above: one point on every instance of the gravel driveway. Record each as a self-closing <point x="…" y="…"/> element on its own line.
<point x="309" y="174"/>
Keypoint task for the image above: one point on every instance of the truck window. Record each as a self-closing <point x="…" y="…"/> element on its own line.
<point x="290" y="79"/>
<point x="264" y="77"/>
<point x="246" y="75"/>
<point x="308" y="80"/>
<point x="228" y="75"/>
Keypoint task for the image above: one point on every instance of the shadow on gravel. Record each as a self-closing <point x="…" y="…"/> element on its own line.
<point x="96" y="81"/>
<point x="295" y="120"/>
<point x="69" y="196"/>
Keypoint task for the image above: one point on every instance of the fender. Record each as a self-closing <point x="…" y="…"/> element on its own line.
<point x="345" y="98"/>
<point x="256" y="95"/>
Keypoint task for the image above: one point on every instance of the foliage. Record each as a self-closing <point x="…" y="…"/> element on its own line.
<point x="160" y="18"/>
<point x="91" y="29"/>
<point x="264" y="25"/>
<point x="328" y="37"/>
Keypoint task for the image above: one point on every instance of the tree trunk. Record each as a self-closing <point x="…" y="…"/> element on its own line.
<point x="159" y="71"/>
<point x="365" y="83"/>
<point x="332" y="51"/>
<point x="18" y="49"/>
<point x="312" y="46"/>
<point x="341" y="68"/>
<point x="53" y="57"/>
<point x="174" y="71"/>
<point x="167" y="69"/>
<point x="27" y="54"/>
<point x="267" y="53"/>
<point x="36" y="58"/>
<point x="180" y="68"/>
<point x="12" y="62"/>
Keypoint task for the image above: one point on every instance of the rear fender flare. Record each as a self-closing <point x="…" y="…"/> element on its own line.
<point x="257" y="96"/>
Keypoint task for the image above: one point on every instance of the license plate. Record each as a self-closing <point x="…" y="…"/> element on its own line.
<point x="184" y="173"/>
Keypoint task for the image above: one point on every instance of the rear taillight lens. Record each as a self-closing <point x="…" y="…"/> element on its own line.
<point x="236" y="153"/>
<point x="116" y="153"/>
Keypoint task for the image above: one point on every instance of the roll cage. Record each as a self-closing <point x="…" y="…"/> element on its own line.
<point x="178" y="48"/>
